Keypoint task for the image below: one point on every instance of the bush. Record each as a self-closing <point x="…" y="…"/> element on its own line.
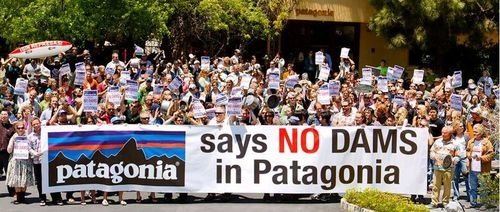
<point x="381" y="201"/>
<point x="488" y="189"/>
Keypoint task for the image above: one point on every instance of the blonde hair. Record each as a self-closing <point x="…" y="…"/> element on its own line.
<point x="480" y="129"/>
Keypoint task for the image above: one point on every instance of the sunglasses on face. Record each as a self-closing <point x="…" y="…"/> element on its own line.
<point x="20" y="128"/>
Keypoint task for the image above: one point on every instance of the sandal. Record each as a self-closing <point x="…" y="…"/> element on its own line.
<point x="152" y="199"/>
<point x="138" y="200"/>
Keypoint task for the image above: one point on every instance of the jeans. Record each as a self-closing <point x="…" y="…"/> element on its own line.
<point x="460" y="167"/>
<point x="473" y="183"/>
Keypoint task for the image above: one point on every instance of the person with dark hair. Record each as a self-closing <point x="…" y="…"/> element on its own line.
<point x="435" y="123"/>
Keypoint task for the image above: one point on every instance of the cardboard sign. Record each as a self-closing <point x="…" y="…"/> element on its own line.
<point x="344" y="53"/>
<point x="221" y="99"/>
<point x="175" y="84"/>
<point x="158" y="89"/>
<point x="324" y="73"/>
<point x="114" y="96"/>
<point x="131" y="93"/>
<point x="334" y="87"/>
<point x="367" y="76"/>
<point x="418" y="76"/>
<point x="65" y="69"/>
<point x="21" y="86"/>
<point x="205" y="62"/>
<point x="457" y="79"/>
<point x="90" y="100"/>
<point x="21" y="148"/>
<point x="324" y="95"/>
<point x="198" y="110"/>
<point x="319" y="58"/>
<point x="234" y="106"/>
<point x="456" y="102"/>
<point x="382" y="84"/>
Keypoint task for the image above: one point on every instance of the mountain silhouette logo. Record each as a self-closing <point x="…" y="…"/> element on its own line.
<point x="129" y="166"/>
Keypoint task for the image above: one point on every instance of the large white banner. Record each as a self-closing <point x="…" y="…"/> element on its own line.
<point x="240" y="159"/>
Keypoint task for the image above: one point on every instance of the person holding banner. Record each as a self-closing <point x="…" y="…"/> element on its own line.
<point x="20" y="170"/>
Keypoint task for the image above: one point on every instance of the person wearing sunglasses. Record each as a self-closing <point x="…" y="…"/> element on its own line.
<point x="20" y="170"/>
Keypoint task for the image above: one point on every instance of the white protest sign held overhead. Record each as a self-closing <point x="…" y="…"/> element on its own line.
<point x="367" y="76"/>
<point x="457" y="79"/>
<point x="158" y="89"/>
<point x="131" y="93"/>
<point x="198" y="110"/>
<point x="205" y="62"/>
<point x="175" y="84"/>
<point x="90" y="100"/>
<point x="334" y="87"/>
<point x="221" y="99"/>
<point x="456" y="102"/>
<point x="79" y="73"/>
<point x="273" y="84"/>
<point x="236" y="92"/>
<point x="21" y="148"/>
<point x="418" y="76"/>
<point x="324" y="95"/>
<point x="21" y="86"/>
<point x="319" y="58"/>
<point x="382" y="84"/>
<point x="65" y="69"/>
<point x="234" y="106"/>
<point x="114" y="96"/>
<point x="245" y="81"/>
<point x="344" y="53"/>
<point x="397" y="72"/>
<point x="324" y="72"/>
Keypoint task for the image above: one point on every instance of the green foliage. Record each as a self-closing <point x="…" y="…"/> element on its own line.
<point x="381" y="201"/>
<point x="488" y="191"/>
<point x="97" y="21"/>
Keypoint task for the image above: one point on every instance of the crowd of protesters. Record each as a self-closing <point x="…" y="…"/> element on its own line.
<point x="460" y="136"/>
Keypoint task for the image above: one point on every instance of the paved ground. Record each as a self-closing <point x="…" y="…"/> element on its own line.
<point x="240" y="203"/>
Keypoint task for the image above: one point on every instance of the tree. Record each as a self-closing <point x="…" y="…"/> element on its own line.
<point x="117" y="21"/>
<point x="436" y="27"/>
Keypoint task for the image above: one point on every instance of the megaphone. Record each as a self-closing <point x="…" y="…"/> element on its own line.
<point x="273" y="101"/>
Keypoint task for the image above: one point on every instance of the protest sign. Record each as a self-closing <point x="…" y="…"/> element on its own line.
<point x="245" y="81"/>
<point x="124" y="76"/>
<point x="90" y="100"/>
<point x="367" y="76"/>
<point x="236" y="92"/>
<point x="399" y="100"/>
<point x="21" y="86"/>
<point x="456" y="102"/>
<point x="382" y="84"/>
<point x="131" y="93"/>
<point x="344" y="53"/>
<point x="21" y="148"/>
<point x="158" y="89"/>
<point x="334" y="87"/>
<point x="277" y="159"/>
<point x="324" y="95"/>
<point x="234" y="106"/>
<point x="273" y="84"/>
<point x="273" y="76"/>
<point x="324" y="72"/>
<point x="221" y="99"/>
<point x="397" y="72"/>
<point x="114" y="96"/>
<point x="205" y="63"/>
<point x="79" y="73"/>
<point x="65" y="69"/>
<point x="198" y="110"/>
<point x="110" y="71"/>
<point x="457" y="79"/>
<point x="418" y="76"/>
<point x="291" y="82"/>
<point x="319" y="58"/>
<point x="210" y="113"/>
<point x="175" y="84"/>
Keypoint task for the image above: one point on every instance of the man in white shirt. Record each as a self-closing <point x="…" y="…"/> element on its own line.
<point x="115" y="62"/>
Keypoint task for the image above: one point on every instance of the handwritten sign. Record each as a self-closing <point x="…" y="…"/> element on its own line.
<point x="319" y="58"/>
<point x="456" y="102"/>
<point x="457" y="79"/>
<point x="21" y="86"/>
<point x="90" y="100"/>
<point x="21" y="148"/>
<point x="131" y="93"/>
<point x="344" y="53"/>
